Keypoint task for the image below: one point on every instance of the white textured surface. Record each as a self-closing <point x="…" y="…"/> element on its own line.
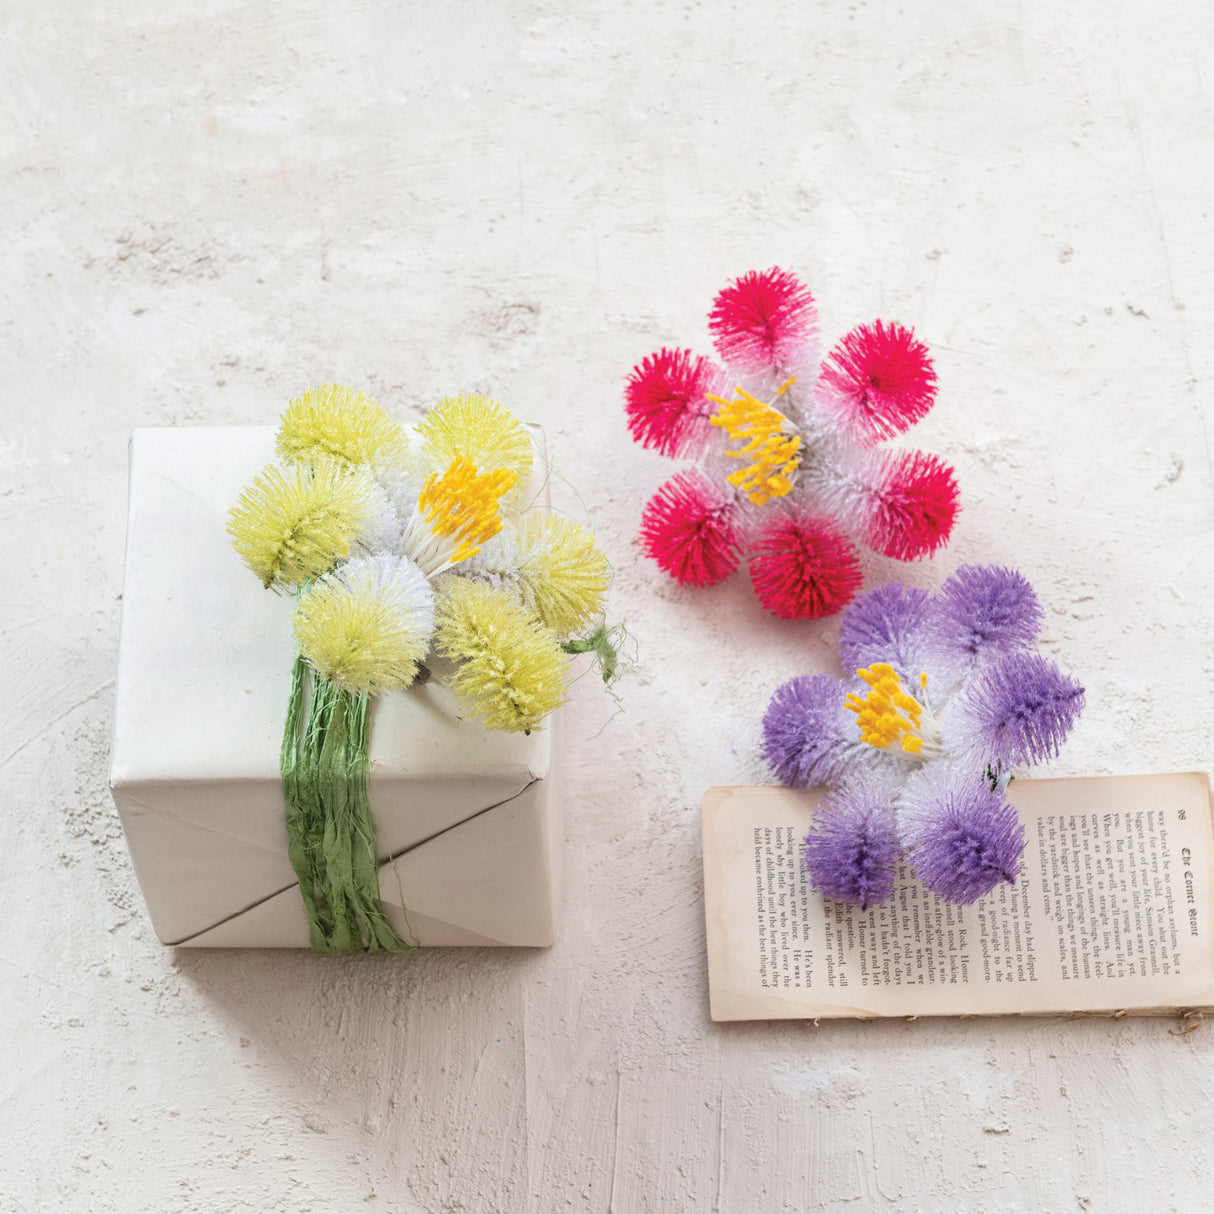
<point x="205" y="213"/>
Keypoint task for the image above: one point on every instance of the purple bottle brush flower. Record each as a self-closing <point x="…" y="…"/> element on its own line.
<point x="852" y="851"/>
<point x="808" y="734"/>
<point x="983" y="612"/>
<point x="961" y="835"/>
<point x="1021" y="709"/>
<point x="886" y="625"/>
<point x="946" y="698"/>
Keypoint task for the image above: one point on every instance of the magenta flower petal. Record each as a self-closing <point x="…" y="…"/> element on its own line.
<point x="962" y="837"/>
<point x="666" y="401"/>
<point x="802" y="568"/>
<point x="691" y="528"/>
<point x="878" y="381"/>
<point x="912" y="506"/>
<point x="762" y="320"/>
<point x="851" y="851"/>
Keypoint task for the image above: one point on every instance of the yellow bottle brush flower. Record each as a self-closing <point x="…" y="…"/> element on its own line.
<point x="769" y="439"/>
<point x="342" y="424"/>
<point x="455" y="514"/>
<point x="480" y="429"/>
<point x="888" y="714"/>
<point x="510" y="670"/>
<point x="562" y="574"/>
<point x="366" y="626"/>
<point x="295" y="524"/>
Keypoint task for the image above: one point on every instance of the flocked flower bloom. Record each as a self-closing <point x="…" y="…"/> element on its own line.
<point x="946" y="698"/>
<point x="783" y="438"/>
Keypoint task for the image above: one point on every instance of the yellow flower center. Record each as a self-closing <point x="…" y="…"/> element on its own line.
<point x="462" y="503"/>
<point x="887" y="713"/>
<point x="763" y="431"/>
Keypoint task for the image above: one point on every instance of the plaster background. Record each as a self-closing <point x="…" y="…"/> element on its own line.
<point x="207" y="209"/>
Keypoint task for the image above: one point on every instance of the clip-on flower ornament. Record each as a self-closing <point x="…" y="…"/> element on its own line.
<point x="918" y="748"/>
<point x="789" y="466"/>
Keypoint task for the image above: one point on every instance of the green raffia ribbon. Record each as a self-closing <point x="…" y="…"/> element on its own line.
<point x="331" y="835"/>
<point x="604" y="643"/>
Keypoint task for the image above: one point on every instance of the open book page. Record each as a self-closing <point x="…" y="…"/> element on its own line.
<point x="1111" y="912"/>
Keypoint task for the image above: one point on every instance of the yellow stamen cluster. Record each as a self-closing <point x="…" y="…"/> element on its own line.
<point x="480" y="429"/>
<point x="510" y="670"/>
<point x="887" y="713"/>
<point x="289" y="526"/>
<point x="563" y="575"/>
<point x="763" y="430"/>
<point x="463" y="503"/>
<point x="338" y="423"/>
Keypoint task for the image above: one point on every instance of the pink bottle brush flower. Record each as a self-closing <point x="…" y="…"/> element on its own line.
<point x="667" y="401"/>
<point x="689" y="528"/>
<point x="790" y="473"/>
<point x="879" y="380"/>
<point x="762" y="320"/>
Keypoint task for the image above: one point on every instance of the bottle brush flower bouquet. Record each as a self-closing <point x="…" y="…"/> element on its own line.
<point x="398" y="547"/>
<point x="393" y="693"/>
<point x="788" y="464"/>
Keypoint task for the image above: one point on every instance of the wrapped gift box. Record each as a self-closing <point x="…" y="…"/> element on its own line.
<point x="468" y="820"/>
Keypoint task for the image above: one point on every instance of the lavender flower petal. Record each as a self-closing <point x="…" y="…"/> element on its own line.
<point x="809" y="737"/>
<point x="1019" y="710"/>
<point x="885" y="625"/>
<point x="851" y="850"/>
<point x="983" y="612"/>
<point x="962" y="837"/>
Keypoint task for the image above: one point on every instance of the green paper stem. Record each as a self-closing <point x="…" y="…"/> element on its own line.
<point x="331" y="835"/>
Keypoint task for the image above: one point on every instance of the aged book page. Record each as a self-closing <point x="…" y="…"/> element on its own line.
<point x="1111" y="912"/>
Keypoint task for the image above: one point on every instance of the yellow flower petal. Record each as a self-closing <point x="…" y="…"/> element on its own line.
<point x="295" y="524"/>
<point x="510" y="670"/>
<point x="339" y="423"/>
